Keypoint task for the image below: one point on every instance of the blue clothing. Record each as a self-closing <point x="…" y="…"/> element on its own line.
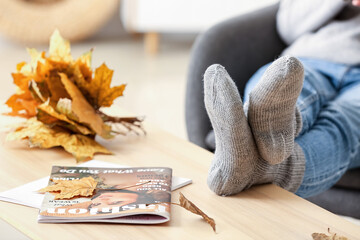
<point x="330" y="109"/>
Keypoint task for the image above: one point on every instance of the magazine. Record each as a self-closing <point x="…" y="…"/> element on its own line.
<point x="122" y="195"/>
<point x="27" y="194"/>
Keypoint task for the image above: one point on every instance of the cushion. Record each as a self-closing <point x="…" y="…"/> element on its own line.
<point x="351" y="179"/>
<point x="339" y="201"/>
<point x="210" y="141"/>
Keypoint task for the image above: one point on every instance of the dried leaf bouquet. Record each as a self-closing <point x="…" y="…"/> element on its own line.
<point x="62" y="99"/>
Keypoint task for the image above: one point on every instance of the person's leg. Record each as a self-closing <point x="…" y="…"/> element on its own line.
<point x="237" y="164"/>
<point x="317" y="90"/>
<point x="332" y="145"/>
<point x="272" y="116"/>
<point x="330" y="134"/>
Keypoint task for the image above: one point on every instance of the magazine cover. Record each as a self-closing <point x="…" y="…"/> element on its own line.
<point x="122" y="195"/>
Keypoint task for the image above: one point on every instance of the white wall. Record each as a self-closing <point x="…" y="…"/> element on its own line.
<point x="183" y="15"/>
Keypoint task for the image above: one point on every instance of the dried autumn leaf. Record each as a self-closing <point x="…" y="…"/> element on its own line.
<point x="188" y="205"/>
<point x="22" y="105"/>
<point x="72" y="125"/>
<point x="29" y="69"/>
<point x="98" y="90"/>
<point x="59" y="48"/>
<point x="41" y="135"/>
<point x="36" y="57"/>
<point x="82" y="71"/>
<point x="323" y="236"/>
<point x="86" y="58"/>
<point x="64" y="106"/>
<point x="84" y="111"/>
<point x="104" y="94"/>
<point x="22" y="81"/>
<point x="73" y="98"/>
<point x="37" y="90"/>
<point x="67" y="189"/>
<point x="19" y="66"/>
<point x="48" y="73"/>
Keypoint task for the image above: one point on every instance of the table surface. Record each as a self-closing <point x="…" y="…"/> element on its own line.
<point x="262" y="212"/>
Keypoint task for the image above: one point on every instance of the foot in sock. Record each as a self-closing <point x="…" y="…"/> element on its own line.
<point x="272" y="113"/>
<point x="237" y="164"/>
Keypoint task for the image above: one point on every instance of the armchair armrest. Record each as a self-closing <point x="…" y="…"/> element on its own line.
<point x="242" y="45"/>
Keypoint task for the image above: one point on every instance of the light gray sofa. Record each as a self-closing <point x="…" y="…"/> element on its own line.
<point x="244" y="44"/>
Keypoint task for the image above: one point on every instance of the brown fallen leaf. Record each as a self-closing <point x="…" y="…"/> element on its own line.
<point x="45" y="111"/>
<point x="22" y="105"/>
<point x="36" y="90"/>
<point x="41" y="135"/>
<point x="84" y="187"/>
<point x="323" y="236"/>
<point x="84" y="111"/>
<point x="103" y="94"/>
<point x="48" y="73"/>
<point x="22" y="102"/>
<point x="98" y="91"/>
<point x="22" y="81"/>
<point x="188" y="205"/>
<point x="67" y="189"/>
<point x="82" y="71"/>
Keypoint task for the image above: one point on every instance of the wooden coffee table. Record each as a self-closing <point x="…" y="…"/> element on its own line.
<point x="262" y="212"/>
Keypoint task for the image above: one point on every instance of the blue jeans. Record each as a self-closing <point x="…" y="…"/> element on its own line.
<point x="330" y="108"/>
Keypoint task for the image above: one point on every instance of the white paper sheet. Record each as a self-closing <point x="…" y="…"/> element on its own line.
<point x="27" y="195"/>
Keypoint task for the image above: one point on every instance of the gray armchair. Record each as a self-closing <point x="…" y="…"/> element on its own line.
<point x="244" y="44"/>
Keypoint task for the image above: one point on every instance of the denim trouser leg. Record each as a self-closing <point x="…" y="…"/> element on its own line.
<point x="333" y="143"/>
<point x="327" y="137"/>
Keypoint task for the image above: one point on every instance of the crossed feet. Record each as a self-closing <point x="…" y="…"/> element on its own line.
<point x="258" y="146"/>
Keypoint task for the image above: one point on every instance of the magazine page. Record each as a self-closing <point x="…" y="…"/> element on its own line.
<point x="122" y="195"/>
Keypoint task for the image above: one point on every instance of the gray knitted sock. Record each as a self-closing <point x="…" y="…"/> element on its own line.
<point x="237" y="164"/>
<point x="273" y="116"/>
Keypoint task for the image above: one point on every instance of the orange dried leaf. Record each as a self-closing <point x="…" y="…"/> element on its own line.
<point x="99" y="90"/>
<point x="40" y="135"/>
<point x="35" y="58"/>
<point x="86" y="58"/>
<point x="29" y="69"/>
<point x="49" y="74"/>
<point x="84" y="111"/>
<point x="323" y="236"/>
<point x="50" y="112"/>
<point x="22" y="105"/>
<point x="21" y="81"/>
<point x="20" y="65"/>
<point x="67" y="189"/>
<point x="188" y="205"/>
<point x="38" y="91"/>
<point x="71" y="117"/>
<point x="82" y="69"/>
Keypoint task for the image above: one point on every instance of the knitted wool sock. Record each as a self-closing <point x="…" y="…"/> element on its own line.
<point x="272" y="113"/>
<point x="237" y="164"/>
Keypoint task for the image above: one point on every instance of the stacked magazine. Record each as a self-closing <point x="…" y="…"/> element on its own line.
<point x="122" y="195"/>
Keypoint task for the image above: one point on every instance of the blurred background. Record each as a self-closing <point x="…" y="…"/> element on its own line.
<point x="146" y="42"/>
